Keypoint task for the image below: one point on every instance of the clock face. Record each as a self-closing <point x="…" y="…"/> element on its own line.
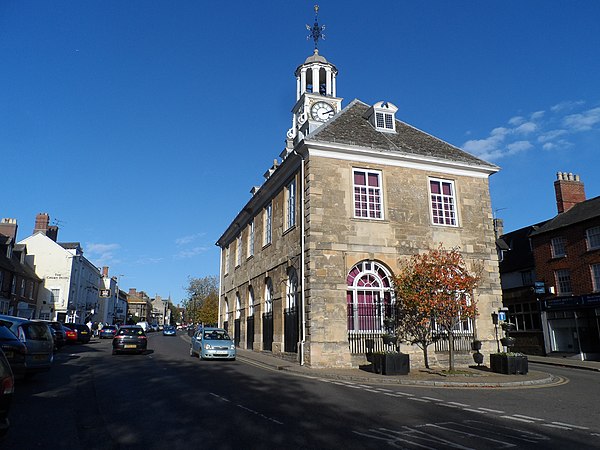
<point x="321" y="111"/>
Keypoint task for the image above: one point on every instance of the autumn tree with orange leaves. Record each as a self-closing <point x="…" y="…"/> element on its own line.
<point x="434" y="288"/>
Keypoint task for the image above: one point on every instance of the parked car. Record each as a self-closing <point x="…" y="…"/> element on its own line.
<point x="84" y="334"/>
<point x="169" y="330"/>
<point x="130" y="338"/>
<point x="108" y="332"/>
<point x="7" y="387"/>
<point x="70" y="334"/>
<point x="37" y="337"/>
<point x="58" y="333"/>
<point x="14" y="350"/>
<point x="212" y="343"/>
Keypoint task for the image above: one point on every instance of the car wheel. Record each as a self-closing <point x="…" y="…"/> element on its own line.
<point x="114" y="352"/>
<point x="192" y="354"/>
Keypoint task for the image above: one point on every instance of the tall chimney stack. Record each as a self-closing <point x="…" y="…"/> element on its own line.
<point x="105" y="271"/>
<point x="569" y="191"/>
<point x="42" y="220"/>
<point x="8" y="227"/>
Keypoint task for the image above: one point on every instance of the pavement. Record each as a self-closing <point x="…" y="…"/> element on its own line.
<point x="471" y="377"/>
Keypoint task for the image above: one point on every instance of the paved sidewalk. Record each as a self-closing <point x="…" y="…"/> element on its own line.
<point x="471" y="378"/>
<point x="565" y="361"/>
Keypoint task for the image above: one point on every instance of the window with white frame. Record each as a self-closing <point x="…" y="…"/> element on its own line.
<point x="250" y="301"/>
<point x="251" y="239"/>
<point x="563" y="281"/>
<point x="4" y="305"/>
<point x="55" y="296"/>
<point x="368" y="196"/>
<point x="443" y="202"/>
<point x="268" y="224"/>
<point x="291" y="302"/>
<point x="369" y="296"/>
<point x="227" y="260"/>
<point x="238" y="251"/>
<point x="595" y="269"/>
<point x="384" y="121"/>
<point x="238" y="306"/>
<point x="558" y="245"/>
<point x="268" y="296"/>
<point x="592" y="236"/>
<point x="22" y="291"/>
<point x="290" y="193"/>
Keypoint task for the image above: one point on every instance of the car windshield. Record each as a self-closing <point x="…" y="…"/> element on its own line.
<point x="216" y="335"/>
<point x="109" y="328"/>
<point x="131" y="332"/>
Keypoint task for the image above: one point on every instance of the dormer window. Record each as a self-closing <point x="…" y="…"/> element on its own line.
<point x="382" y="116"/>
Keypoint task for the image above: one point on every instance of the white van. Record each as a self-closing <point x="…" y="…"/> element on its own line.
<point x="145" y="326"/>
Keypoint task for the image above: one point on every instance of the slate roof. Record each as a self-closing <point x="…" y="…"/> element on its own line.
<point x="69" y="245"/>
<point x="589" y="209"/>
<point x="350" y="127"/>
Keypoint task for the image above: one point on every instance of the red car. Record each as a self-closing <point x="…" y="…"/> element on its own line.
<point x="71" y="335"/>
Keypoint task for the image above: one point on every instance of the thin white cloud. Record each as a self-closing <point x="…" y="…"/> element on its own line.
<point x="190" y="252"/>
<point x="184" y="240"/>
<point x="545" y="130"/>
<point x="102" y="254"/>
<point x="583" y="121"/>
<point x="566" y="105"/>
<point x="537" y="115"/>
<point x="526" y="128"/>
<point x="517" y="120"/>
<point x="148" y="260"/>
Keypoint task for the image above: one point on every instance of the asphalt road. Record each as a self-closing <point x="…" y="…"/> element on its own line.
<point x="166" y="399"/>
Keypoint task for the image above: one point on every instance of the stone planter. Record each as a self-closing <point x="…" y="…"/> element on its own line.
<point x="389" y="339"/>
<point x="508" y="341"/>
<point x="509" y="364"/>
<point x="476" y="345"/>
<point x="391" y="363"/>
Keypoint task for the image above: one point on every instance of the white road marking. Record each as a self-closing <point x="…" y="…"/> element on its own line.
<point x="518" y="418"/>
<point x="549" y="425"/>
<point x="474" y="410"/>
<point x="219" y="397"/>
<point x="416" y="399"/>
<point x="447" y="405"/>
<point x="528" y="417"/>
<point x="492" y="410"/>
<point x="570" y="426"/>
<point x="459" y="404"/>
<point x="433" y="399"/>
<point x="260" y="415"/>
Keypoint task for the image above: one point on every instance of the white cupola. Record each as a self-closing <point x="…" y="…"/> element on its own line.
<point x="316" y="97"/>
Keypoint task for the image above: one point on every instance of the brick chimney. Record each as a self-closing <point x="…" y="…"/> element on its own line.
<point x="8" y="227"/>
<point x="133" y="292"/>
<point x="104" y="271"/>
<point x="569" y="191"/>
<point x="52" y="232"/>
<point x="42" y="220"/>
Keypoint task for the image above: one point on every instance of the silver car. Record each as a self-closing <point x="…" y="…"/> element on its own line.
<point x="212" y="343"/>
<point x="37" y="338"/>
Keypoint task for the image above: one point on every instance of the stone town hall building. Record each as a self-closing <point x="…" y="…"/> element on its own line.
<point x="307" y="264"/>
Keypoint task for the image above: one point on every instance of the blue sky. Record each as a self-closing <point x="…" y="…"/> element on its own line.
<point x="141" y="126"/>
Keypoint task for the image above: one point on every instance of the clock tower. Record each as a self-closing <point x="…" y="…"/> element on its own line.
<point x="316" y="100"/>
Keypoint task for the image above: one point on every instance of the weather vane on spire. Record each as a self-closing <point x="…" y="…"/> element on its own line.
<point x="316" y="31"/>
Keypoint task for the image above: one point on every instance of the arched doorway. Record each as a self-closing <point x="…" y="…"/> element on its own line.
<point x="291" y="323"/>
<point x="268" y="316"/>
<point x="370" y="299"/>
